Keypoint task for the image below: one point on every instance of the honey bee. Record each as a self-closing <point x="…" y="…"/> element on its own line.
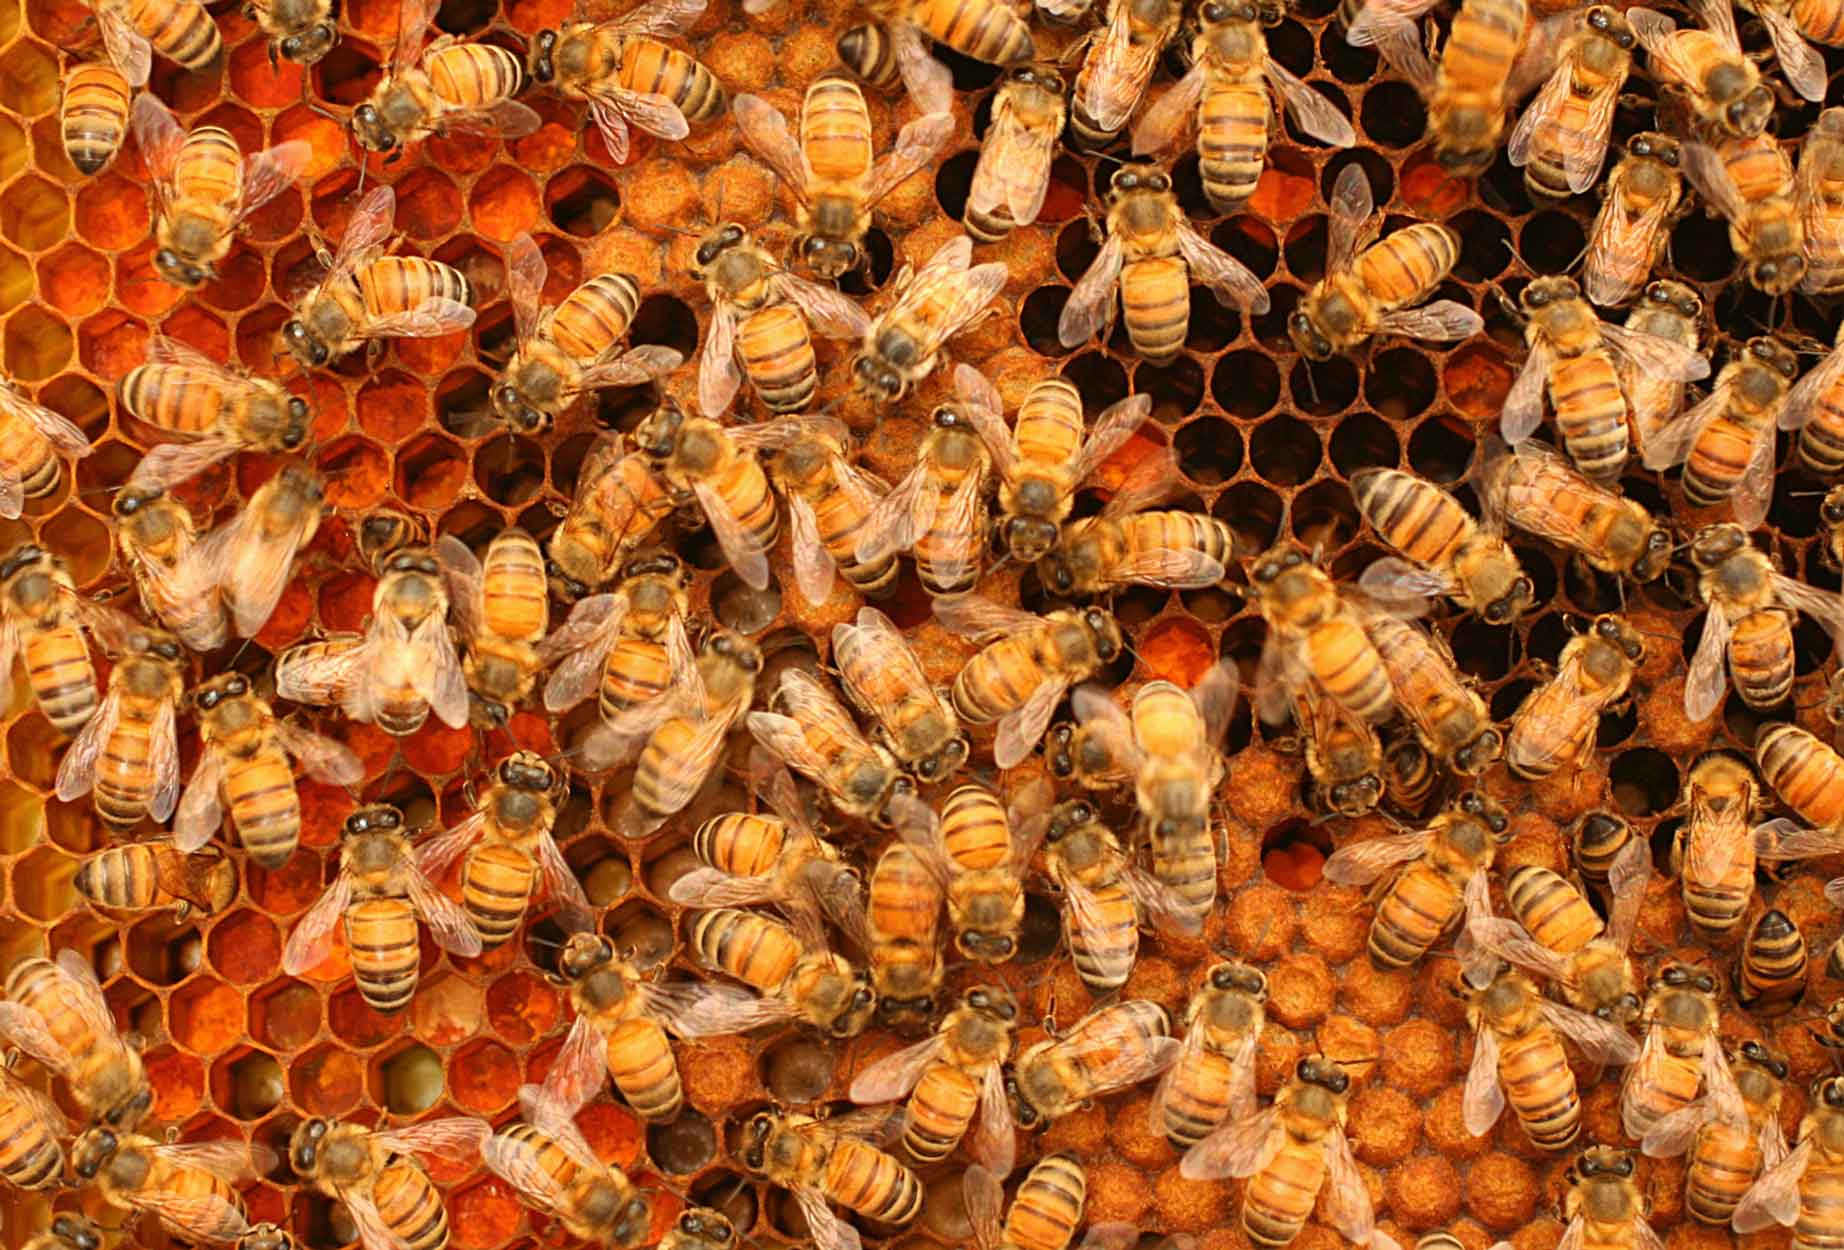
<point x="1596" y="843"/>
<point x="763" y="319"/>
<point x="243" y="764"/>
<point x="1012" y="175"/>
<point x="1409" y="774"/>
<point x="1794" y="1190"/>
<point x="627" y="76"/>
<point x="1708" y="69"/>
<point x="176" y="583"/>
<point x="929" y="306"/>
<point x="1726" y="1158"/>
<point x="401" y="669"/>
<point x="44" y="619"/>
<point x="829" y="1160"/>
<point x="127" y="757"/>
<point x="1644" y="196"/>
<point x="68" y="1231"/>
<point x="1213" y="1080"/>
<point x="1561" y="140"/>
<point x="617" y="505"/>
<point x="1573" y="355"/>
<point x="903" y="923"/>
<point x="951" y="1077"/>
<point x="55" y="1012"/>
<point x="1518" y="1058"/>
<point x="800" y="979"/>
<point x="502" y="609"/>
<point x="576" y="347"/>
<point x="830" y="168"/>
<point x="809" y="730"/>
<point x="31" y="1126"/>
<point x="1315" y="639"/>
<point x="1815" y="407"/>
<point x="1441" y="878"/>
<point x="449" y="86"/>
<point x="1750" y="182"/>
<point x="1554" y="727"/>
<point x="1153" y="255"/>
<point x="1343" y="753"/>
<point x="614" y="645"/>
<point x="1770" y="972"/>
<point x="1092" y="756"/>
<point x="981" y="851"/>
<point x="829" y="502"/>
<point x="189" y="1187"/>
<point x="701" y="1228"/>
<point x="1750" y="621"/>
<point x="1682" y="1054"/>
<point x="1540" y="492"/>
<point x="698" y="456"/>
<point x="1109" y="1049"/>
<point x="896" y="44"/>
<point x="1671" y="311"/>
<point x="253" y="556"/>
<point x="366" y="295"/>
<point x="1726" y="443"/>
<point x="509" y="851"/>
<point x="1714" y="853"/>
<point x="182" y="31"/>
<point x="1820" y="195"/>
<point x="300" y="31"/>
<point x="547" y="1159"/>
<point x="205" y="187"/>
<point x="93" y="112"/>
<point x="1289" y="1152"/>
<point x="884" y="680"/>
<point x="31" y="439"/>
<point x="375" y="901"/>
<point x="1605" y="1207"/>
<point x="1445" y="712"/>
<point x="1117" y="67"/>
<point x="1125" y="543"/>
<point x="220" y="409"/>
<point x="155" y="876"/>
<point x="1106" y="897"/>
<point x="375" y="1175"/>
<point x="1226" y="95"/>
<point x="1474" y="85"/>
<point x="1028" y="663"/>
<point x="1043" y="1215"/>
<point x="1448" y="552"/>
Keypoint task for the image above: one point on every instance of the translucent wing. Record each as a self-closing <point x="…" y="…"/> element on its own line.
<point x="61" y="433"/>
<point x="271" y="172"/>
<point x="1399" y="44"/>
<point x="1113" y="428"/>
<point x="1706" y="682"/>
<point x="893" y="1076"/>
<point x="1091" y="302"/>
<point x="1523" y="410"/>
<point x="317" y="678"/>
<point x="1220" y="271"/>
<point x="1658" y="356"/>
<point x="579" y="1071"/>
<point x="439" y="678"/>
<point x="517" y="1161"/>
<point x="26" y="1029"/>
<point x="1118" y="70"/>
<point x="742" y="546"/>
<point x="1774" y="1198"/>
<point x="1443" y="321"/>
<point x="813" y="564"/>
<point x="1172" y="114"/>
<point x="430" y="319"/>
<point x="1312" y="112"/>
<point x="159" y="134"/>
<point x="1719" y="19"/>
<point x="829" y="312"/>
<point x="200" y="813"/>
<point x="203" y="1216"/>
<point x="979" y="618"/>
<point x="1508" y="940"/>
<point x="987" y="413"/>
<point x="927" y="80"/>
<point x="1021" y="730"/>
<point x="1392" y="578"/>
<point x="227" y="1160"/>
<point x="768" y="135"/>
<point x="1603" y="1041"/>
<point x="1704" y="169"/>
<point x="1347" y="1201"/>
<point x="1363" y="29"/>
<point x="1621" y="230"/>
<point x="370" y="227"/>
<point x="77" y="772"/>
<point x="1825" y="607"/>
<point x="900" y="517"/>
<point x="132" y="54"/>
<point x="1483" y="1101"/>
<point x="1803" y="400"/>
<point x="449" y="924"/>
<point x="694" y="1009"/>
<point x="630" y="368"/>
<point x="985" y="1201"/>
<point x="1671" y="443"/>
<point x="655" y="114"/>
<point x="960" y="515"/>
<point x="613" y="127"/>
<point x="456" y="1138"/>
<point x="163" y="756"/>
<point x="995" y="1141"/>
<point x="565" y="891"/>
<point x="915" y="147"/>
<point x="584" y="641"/>
<point x="1626" y="880"/>
<point x="719" y="376"/>
<point x="662" y="19"/>
<point x="828" y="1230"/>
<point x="413" y="19"/>
<point x="1239" y="1148"/>
<point x="1111" y="957"/>
<point x="169" y="464"/>
<point x="1756" y="489"/>
<point x="461" y="570"/>
<point x="1364" y="862"/>
<point x="257" y="562"/>
<point x="435" y="854"/>
<point x="312" y="938"/>
<point x="526" y="272"/>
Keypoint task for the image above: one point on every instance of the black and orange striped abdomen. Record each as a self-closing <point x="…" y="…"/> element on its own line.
<point x="1048" y="428"/>
<point x="640" y="1063"/>
<point x="775" y="350"/>
<point x="594" y="318"/>
<point x="496" y="884"/>
<point x="938" y="1112"/>
<point x="30" y="1157"/>
<point x="998" y="680"/>
<point x="93" y="116"/>
<point x="513" y="595"/>
<point x="394" y="284"/>
<point x="871" y="1183"/>
<point x="1197" y="1098"/>
<point x="175" y="397"/>
<point x="975" y="833"/>
<point x="1420" y="520"/>
<point x="1550" y="909"/>
<point x="753" y="948"/>
<point x="1155" y="296"/>
<point x="473" y="75"/>
<point x="1590" y="412"/>
<point x="1104" y="951"/>
<point x="1534" y="1072"/>
<point x="1761" y="659"/>
<point x="411" y="1206"/>
<point x="1725" y="1160"/>
<point x="1349" y="669"/>
<point x="835" y="133"/>
<point x="1805" y="772"/>
<point x="124" y="784"/>
<point x="1233" y="123"/>
<point x="1280" y="1196"/>
<point x="637" y="669"/>
<point x="740" y="844"/>
<point x="62" y="677"/>
<point x="1405" y="267"/>
<point x="264" y="805"/>
<point x="180" y="30"/>
<point x="1048" y="1205"/>
<point x="653" y="68"/>
<point x="381" y="937"/>
<point x="1719" y="458"/>
<point x="986" y="30"/>
<point x="1421" y="906"/>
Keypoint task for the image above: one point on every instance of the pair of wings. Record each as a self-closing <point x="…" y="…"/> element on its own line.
<point x="1800" y="63"/>
<point x="1672" y="1133"/>
<point x="1091" y="301"/>
<point x="980" y="400"/>
<point x="458" y="1139"/>
<point x="372" y="223"/>
<point x="1628" y="235"/>
<point x="1516" y="484"/>
<point x="613" y="106"/>
<point x="507" y="118"/>
<point x="894" y="1076"/>
<point x="986" y="622"/>
<point x="183" y="587"/>
<point x="1555" y="725"/>
<point x="1707" y="680"/>
<point x="614" y="741"/>
<point x="1600" y="1041"/>
<point x="944" y="296"/>
<point x="77" y="771"/>
<point x="169" y="464"/>
<point x="61" y="433"/>
<point x="109" y="627"/>
<point x="1487" y="935"/>
<point x="312" y="940"/>
<point x="826" y="311"/>
<point x="1580" y="144"/>
<point x="1647" y="353"/>
<point x="1120" y="63"/>
<point x="581" y="647"/>
<point x="526" y="271"/>
<point x="263" y="176"/>
<point x="358" y="672"/>
<point x="201" y="808"/>
<point x="1245" y="1147"/>
<point x="1173" y="113"/>
<point x="810" y="714"/>
<point x="1774" y="1196"/>
<point x="437" y="854"/>
<point x="872" y="656"/>
<point x="1013" y="171"/>
<point x="1212" y="700"/>
<point x="1110" y="1048"/>
<point x="918" y="506"/>
<point x="80" y="991"/>
<point x="1085" y="909"/>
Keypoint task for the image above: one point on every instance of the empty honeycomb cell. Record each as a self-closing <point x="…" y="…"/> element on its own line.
<point x="1484" y="651"/>
<point x="1285" y="451"/>
<point x="239" y="284"/>
<point x="1321" y="388"/>
<point x="141" y="290"/>
<point x="42" y="884"/>
<point x="254" y="81"/>
<point x="1392" y="115"/>
<point x="1208" y="450"/>
<point x="390" y="406"/>
<point x="327" y="1081"/>
<point x="199" y="329"/>
<point x="430" y="472"/>
<point x="205" y="1015"/>
<point x="285" y="1015"/>
<point x="484" y="1077"/>
<point x="346" y="76"/>
<point x="325" y="137"/>
<point x="1324" y="517"/>
<point x="1101" y="379"/>
<point x="407" y="1080"/>
<point x="36" y="345"/>
<point x="111" y="212"/>
<point x="28" y="79"/>
<point x="1441" y="452"/>
<point x="684" y="1146"/>
<point x="1700" y="248"/>
<point x="1361" y="440"/>
<point x="32" y="748"/>
<point x="483" y="1214"/>
<point x="83" y="540"/>
<point x="1176" y="388"/>
<point x="1551" y="242"/>
<point x="581" y="201"/>
<point x="1400" y="384"/>
<point x="354" y="1022"/>
<point x="509" y="470"/>
<point x="428" y="204"/>
<point x="1037" y="319"/>
<point x="178" y="1082"/>
<point x="187" y="91"/>
<point x="1644" y="781"/>
<point x="245" y="948"/>
<point x="356" y="470"/>
<point x="1477" y="378"/>
<point x="22" y="818"/>
<point x="71" y="279"/>
<point x="109" y="344"/>
<point x="1245" y="383"/>
<point x="553" y="144"/>
<point x="504" y="204"/>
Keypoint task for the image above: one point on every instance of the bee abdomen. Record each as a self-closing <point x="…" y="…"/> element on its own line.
<point x="1155" y="298"/>
<point x="121" y="877"/>
<point x="654" y="68"/>
<point x="1541" y="1088"/>
<point x="265" y="808"/>
<point x="662" y="761"/>
<point x="940" y="1108"/>
<point x="990" y="32"/>
<point x="1552" y="910"/>
<point x="1281" y="1196"/>
<point x="835" y="130"/>
<point x="974" y="830"/>
<point x="641" y="1065"/>
<point x="410" y="1205"/>
<point x="474" y="75"/>
<point x="1104" y="953"/>
<point x="1424" y="523"/>
<point x="94" y="115"/>
<point x="871" y="1183"/>
<point x="1409" y="263"/>
<point x="636" y="670"/>
<point x="382" y="938"/>
<point x="1349" y="669"/>
<point x="172" y="397"/>
<point x="1821" y="21"/>
<point x="1232" y="143"/>
<point x="30" y="1156"/>
<point x="394" y="284"/>
<point x="1821" y="441"/>
<point x="62" y="677"/>
<point x="124" y="785"/>
<point x="1591" y="413"/>
<point x="1717" y="462"/>
<point x="1048" y="1206"/>
<point x="1411" y="917"/>
<point x="739" y="843"/>
<point x="513" y="595"/>
<point x="494" y="889"/>
<point x="594" y="318"/>
<point x="1772" y="974"/>
<point x="209" y="167"/>
<point x="180" y="30"/>
<point x="1820" y="1225"/>
<point x="753" y="949"/>
<point x="776" y="352"/>
<point x="1761" y="658"/>
<point x="1198" y="1099"/>
<point x="1724" y="1161"/>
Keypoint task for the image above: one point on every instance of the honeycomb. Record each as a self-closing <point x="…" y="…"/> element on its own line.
<point x="1265" y="441"/>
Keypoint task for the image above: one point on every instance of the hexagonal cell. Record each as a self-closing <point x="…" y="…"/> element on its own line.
<point x="178" y="1082"/>
<point x="356" y="472"/>
<point x="111" y="343"/>
<point x="407" y="1080"/>
<point x="428" y="204"/>
<point x="22" y="818"/>
<point x="484" y="1214"/>
<point x="684" y="1146"/>
<point x="248" y="1083"/>
<point x="32" y="750"/>
<point x="285" y="1015"/>
<point x="484" y="1077"/>
<point x="430" y="472"/>
<point x="327" y="1081"/>
<point x="28" y="80"/>
<point x="354" y="1022"/>
<point x="83" y="539"/>
<point x="640" y="927"/>
<point x="602" y="867"/>
<point x="390" y="405"/>
<point x="245" y="947"/>
<point x="36" y="344"/>
<point x="581" y="201"/>
<point x="42" y="884"/>
<point x="798" y="1068"/>
<point x="509" y="470"/>
<point x="521" y="1008"/>
<point x="447" y="1009"/>
<point x="255" y="81"/>
<point x="461" y="400"/>
<point x="504" y="204"/>
<point x="206" y="1016"/>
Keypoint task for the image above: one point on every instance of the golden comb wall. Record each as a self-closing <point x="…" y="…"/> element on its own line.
<point x="1265" y="442"/>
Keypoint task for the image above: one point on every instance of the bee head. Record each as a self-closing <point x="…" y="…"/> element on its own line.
<point x="371" y="818"/>
<point x="302" y="345"/>
<point x="180" y="270"/>
<point x="1774" y="354"/>
<point x="542" y="49"/>
<point x="1323" y="1072"/>
<point x="754" y="1153"/>
<point x="994" y="948"/>
<point x="1140" y="177"/>
<point x="706" y="1225"/>
<point x="1241" y="978"/>
<point x="1747" y="116"/>
<point x="829" y="258"/>
<point x="523" y="418"/>
<point x="1023" y="1112"/>
<point x="310" y="45"/>
<point x="1716" y="543"/>
<point x="77" y="1232"/>
<point x="1601" y="1161"/>
<point x="878" y="379"/>
<point x="1105" y="632"/>
<point x="583" y="954"/>
<point x="131" y="499"/>
<point x="1306" y="336"/>
<point x="1030" y="538"/>
<point x="658" y="435"/>
<point x="1830" y="1091"/>
<point x="525" y="770"/>
<point x="1763" y="1058"/>
<point x="857" y="1014"/>
<point x="266" y="1237"/>
<point x="1511" y="605"/>
<point x="993" y="1000"/>
<point x="1039" y="76"/>
<point x="943" y="763"/>
<point x="224" y="686"/>
<point x="90" y="1153"/>
<point x="369" y="129"/>
<point x="716" y="243"/>
<point x="304" y="1145"/>
<point x="1832" y="509"/>
<point x="1355" y="798"/>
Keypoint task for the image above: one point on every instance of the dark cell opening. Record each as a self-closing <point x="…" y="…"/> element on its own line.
<point x="1440" y="452"/>
<point x="495" y="336"/>
<point x="346" y="75"/>
<point x="1291" y="44"/>
<point x="1552" y="242"/>
<point x="1537" y="565"/>
<point x="1323" y="388"/>
<point x="465" y="17"/>
<point x="1250" y="242"/>
<point x="581" y="201"/>
<point x="1136" y="605"/>
<point x="1076" y="248"/>
<point x="1589" y="590"/>
<point x="1246" y="384"/>
<point x="1393" y="114"/>
<point x="1400" y="383"/>
<point x="1644" y="781"/>
<point x="1285" y="451"/>
<point x="1253" y="513"/>
<point x="1037" y="318"/>
<point x="1176" y="388"/>
<point x="667" y="321"/>
<point x="1324" y="516"/>
<point x="1484" y="651"/>
<point x="1617" y="726"/>
<point x="1505" y="701"/>
<point x="1271" y="327"/>
<point x="1485" y="247"/>
<point x="880" y="260"/>
<point x="1812" y="646"/>
<point x="1188" y="186"/>
<point x="1305" y="248"/>
<point x="1548" y="634"/>
<point x="730" y="1194"/>
<point x="798" y="1069"/>
<point x="1101" y="380"/>
<point x="1213" y="327"/>
<point x="683" y="1146"/>
<point x="1348" y="64"/>
<point x="461" y="404"/>
<point x="510" y="470"/>
<point x="953" y="180"/>
<point x="1209" y="451"/>
<point x="1362" y="441"/>
<point x="969" y="74"/>
<point x="1700" y="248"/>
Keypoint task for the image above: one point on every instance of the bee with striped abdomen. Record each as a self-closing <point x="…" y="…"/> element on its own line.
<point x="1315" y="639"/>
<point x="1553" y="729"/>
<point x="175" y="581"/>
<point x="628" y="76"/>
<point x="182" y="31"/>
<point x="1152" y="255"/>
<point x="157" y="876"/>
<point x="1448" y="553"/>
<point x="1125" y="543"/>
<point x="451" y="85"/>
<point x="1540" y="492"/>
<point x="1815" y="407"/>
<point x="31" y="1126"/>
<point x="1012" y="175"/>
<point x="366" y="295"/>
<point x="1750" y="182"/>
<point x="1808" y="775"/>
<point x="929" y="305"/>
<point x="614" y="646"/>
<point x="1726" y="443"/>
<point x="1668" y="310"/>
<point x="93" y="109"/>
<point x="1472" y="87"/>
<point x="1213" y="1080"/>
<point x="1561" y="140"/>
<point x="1819" y="191"/>
<point x="1044" y="1213"/>
<point x="252" y="557"/>
<point x="1605" y="1207"/>
<point x="374" y="1174"/>
<point x="1106" y="897"/>
<point x="502" y="609"/>
<point x="896" y="44"/>
<point x="697" y="456"/>
<point x="1707" y="68"/>
<point x="376" y="901"/>
<point x="1730" y="1151"/>
<point x="618" y="503"/>
<point x="982" y="851"/>
<point x="55" y="1012"/>
<point x="884" y="680"/>
<point x="1118" y="66"/>
<point x="220" y="409"/>
<point x="829" y="501"/>
<point x="563" y="352"/>
<point x="811" y="732"/>
<point x="44" y="619"/>
<point x="205" y="187"/>
<point x="127" y="757"/>
<point x="1644" y="198"/>
<point x="789" y="965"/>
<point x="822" y="1161"/>
<point x="1596" y="844"/>
<point x="1109" y="1049"/>
<point x="903" y="928"/>
<point x="1799" y="1191"/>
<point x="1344" y="755"/>
<point x="32" y="438"/>
<point x="1449" y="719"/>
<point x="1682" y="1057"/>
<point x="190" y="1187"/>
<point x="244" y="765"/>
<point x="1770" y="972"/>
<point x="949" y="1078"/>
<point x="1714" y="853"/>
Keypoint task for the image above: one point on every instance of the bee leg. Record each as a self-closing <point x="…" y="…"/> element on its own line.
<point x="181" y="910"/>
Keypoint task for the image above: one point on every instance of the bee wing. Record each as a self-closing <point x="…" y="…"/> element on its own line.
<point x="976" y="617"/>
<point x="1363" y="29"/>
<point x="1091" y="301"/>
<point x="1228" y="277"/>
<point x="313" y="935"/>
<point x="1774" y="1198"/>
<point x="1113" y="428"/>
<point x="59" y="431"/>
<point x="1672" y="1134"/>
<point x="1621" y="230"/>
<point x="1443" y="321"/>
<point x="900" y="517"/>
<point x="1508" y="940"/>
<point x="169" y="464"/>
<point x="718" y="373"/>
<point x="893" y="1076"/>
<point x="873" y="643"/>
<point x="26" y="1029"/>
<point x="1704" y="170"/>
<point x="227" y="1160"/>
<point x="1627" y="878"/>
<point x="813" y="564"/>
<point x="1392" y="579"/>
<point x="368" y="230"/>
<point x="1755" y="491"/>
<point x="828" y="1230"/>
<point x="1573" y="1235"/>
<point x="201" y="1216"/>
<point x="1644" y="1071"/>
<point x="1240" y="1148"/>
<point x="254" y="567"/>
<point x="1523" y="410"/>
<point x="1083" y="915"/>
<point x="435" y="854"/>
<point x="1825" y="607"/>
<point x="1706" y="682"/>
<point x="986" y="411"/>
<point x="1159" y="903"/>
<point x="1651" y="353"/>
<point x="160" y="136"/>
<point x="1672" y="442"/>
<point x="829" y="312"/>
<point x="768" y="135"/>
<point x="39" y="1106"/>
<point x="576" y="1076"/>
<point x="663" y="19"/>
<point x="439" y="679"/>
<point x="200" y="812"/>
<point x="1118" y="70"/>
<point x="518" y="1163"/>
<point x="1021" y="730"/>
<point x="127" y="48"/>
<point x="1802" y="400"/>
<point x="984" y="1199"/>
<point x="316" y="680"/>
<point x="655" y="114"/>
<point x="1539" y="120"/>
<point x="413" y="21"/>
<point x="449" y="924"/>
<point x="741" y="547"/>
<point x="927" y="80"/>
<point x="961" y="515"/>
<point x="1484" y="1100"/>
<point x="1025" y="177"/>
<point x="1399" y="45"/>
<point x="784" y="736"/>
<point x="1171" y="115"/>
<point x="77" y="772"/>
<point x="456" y="1138"/>
<point x="1364" y="862"/>
<point x="271" y="172"/>
<point x="584" y="641"/>
<point x="461" y="570"/>
<point x="565" y="891"/>
<point x="1782" y="840"/>
<point x="1097" y="712"/>
<point x="995" y="1142"/>
<point x="693" y="1009"/>
<point x="1347" y="1201"/>
<point x="526" y="272"/>
<point x="1603" y="1041"/>
<point x="430" y="319"/>
<point x="915" y="148"/>
<point x="1314" y="114"/>
<point x="609" y="120"/>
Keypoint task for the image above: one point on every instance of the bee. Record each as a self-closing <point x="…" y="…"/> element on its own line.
<point x="929" y="306"/>
<point x="1770" y="972"/>
<point x="884" y="680"/>
<point x="1448" y="552"/>
<point x="701" y="1228"/>
<point x="1713" y="854"/>
<point x="810" y="731"/>
<point x="763" y="319"/>
<point x="1443" y="872"/>
<point x="1560" y="936"/>
<point x="1027" y="664"/>
<point x="1448" y="717"/>
<point x="190" y="1187"/>
<point x="1092" y="756"/>
<point x="830" y="1160"/>
<point x="221" y="411"/>
<point x="1012" y="176"/>
<point x="1153" y="255"/>
<point x="1750" y="182"/>
<point x="43" y="618"/>
<point x="552" y="1165"/>
<point x="243" y="764"/>
<point x="300" y="31"/>
<point x="375" y="901"/>
<point x="789" y="964"/>
<point x="698" y="456"/>
<point x="502" y="608"/>
<point x="451" y="85"/>
<point x="563" y="352"/>
<point x="366" y="295"/>
<point x="1726" y="443"/>
<point x="1681" y="1055"/>
<point x="1605" y="1207"/>
<point x="830" y="168"/>
<point x="614" y="646"/>
<point x="1750" y="621"/>
<point x="1043" y="1215"/>
<point x="1045" y="459"/>
<point x="182" y="31"/>
<point x="55" y="1012"/>
<point x="1796" y="1190"/>
<point x="618" y="503"/>
<point x="403" y="667"/>
<point x="31" y="439"/>
<point x="1707" y="69"/>
<point x="1815" y="407"/>
<point x="1596" y="843"/>
<point x="1669" y="310"/>
<point x="1474" y="85"/>
<point x="1226" y="94"/>
<point x="1518" y="1057"/>
<point x="205" y="187"/>
<point x="127" y="756"/>
<point x="951" y="1077"/>
<point x="1726" y="1157"/>
<point x="627" y="76"/>
<point x="981" y="851"/>
<point x="1573" y="355"/>
<point x="1109" y="1049"/>
<point x="68" y="1231"/>
<point x="31" y="1126"/>
<point x="1644" y="196"/>
<point x="1540" y="492"/>
<point x="1561" y="140"/>
<point x="253" y="556"/>
<point x="176" y="583"/>
<point x="1213" y="1080"/>
<point x="1117" y="67"/>
<point x="1820" y="195"/>
<point x="93" y="111"/>
<point x="508" y="851"/>
<point x="157" y="876"/>
<point x="621" y="1024"/>
<point x="1314" y="637"/>
<point x="375" y="1175"/>
<point x="829" y="502"/>
<point x="1124" y="544"/>
<point x="1289" y="1152"/>
<point x="1343" y="753"/>
<point x="1106" y="897"/>
<point x="896" y="44"/>
<point x="903" y="915"/>
<point x="1554" y="727"/>
<point x="881" y="56"/>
